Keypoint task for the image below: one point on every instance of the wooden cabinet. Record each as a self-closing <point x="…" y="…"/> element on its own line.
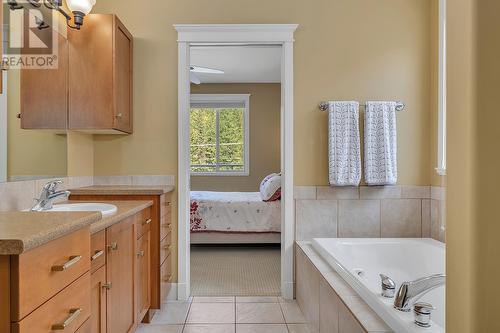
<point x="100" y="76"/>
<point x="143" y="276"/>
<point x="162" y="248"/>
<point x="91" y="90"/>
<point x="120" y="268"/>
<point x="44" y="98"/>
<point x="98" y="289"/>
<point x="47" y="287"/>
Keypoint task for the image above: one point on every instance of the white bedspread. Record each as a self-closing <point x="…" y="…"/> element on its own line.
<point x="233" y="212"/>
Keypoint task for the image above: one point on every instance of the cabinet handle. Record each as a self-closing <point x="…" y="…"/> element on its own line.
<point x="168" y="278"/>
<point x="72" y="260"/>
<point x="18" y="116"/>
<point x="119" y="115"/>
<point x="167" y="247"/>
<point x="165" y="225"/>
<point x="73" y="314"/>
<point x="113" y="246"/>
<point x="168" y="204"/>
<point x="107" y="286"/>
<point x="148" y="221"/>
<point x="140" y="254"/>
<point x="97" y="255"/>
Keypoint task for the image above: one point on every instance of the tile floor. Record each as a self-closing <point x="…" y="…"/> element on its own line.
<point x="228" y="315"/>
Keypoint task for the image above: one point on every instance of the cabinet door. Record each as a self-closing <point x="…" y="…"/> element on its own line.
<point x="98" y="301"/>
<point x="123" y="78"/>
<point x="121" y="315"/>
<point x="44" y="98"/>
<point x="143" y="281"/>
<point x="91" y="74"/>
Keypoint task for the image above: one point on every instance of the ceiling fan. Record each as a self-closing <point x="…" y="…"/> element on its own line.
<point x="205" y="70"/>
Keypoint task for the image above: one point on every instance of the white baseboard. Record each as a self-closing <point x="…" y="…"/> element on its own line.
<point x="172" y="294"/>
<point x="288" y="290"/>
<point x="182" y="294"/>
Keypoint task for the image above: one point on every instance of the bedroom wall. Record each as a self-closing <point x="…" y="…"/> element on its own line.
<point x="265" y="102"/>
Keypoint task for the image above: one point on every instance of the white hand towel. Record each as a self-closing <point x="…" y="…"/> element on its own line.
<point x="381" y="166"/>
<point x="343" y="144"/>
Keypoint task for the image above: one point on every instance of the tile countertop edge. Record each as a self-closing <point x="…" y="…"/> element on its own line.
<point x="71" y="223"/>
<point x="125" y="210"/>
<point x="123" y="190"/>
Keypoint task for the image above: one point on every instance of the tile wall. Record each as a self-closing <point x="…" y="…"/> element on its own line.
<point x="376" y="211"/>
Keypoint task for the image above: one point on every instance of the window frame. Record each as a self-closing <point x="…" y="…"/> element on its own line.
<point x="228" y="98"/>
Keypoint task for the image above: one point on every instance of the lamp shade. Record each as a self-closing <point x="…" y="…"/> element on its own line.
<point x="83" y="6"/>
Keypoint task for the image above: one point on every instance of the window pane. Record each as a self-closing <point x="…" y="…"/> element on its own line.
<point x="203" y="139"/>
<point x="232" y="138"/>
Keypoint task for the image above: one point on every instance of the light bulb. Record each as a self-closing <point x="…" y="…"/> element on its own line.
<point x="81" y="6"/>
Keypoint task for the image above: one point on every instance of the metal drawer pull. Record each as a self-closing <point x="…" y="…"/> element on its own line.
<point x="168" y="203"/>
<point x="168" y="278"/>
<point x="107" y="285"/>
<point x="96" y="255"/>
<point x="73" y="314"/>
<point x="113" y="246"/>
<point x="140" y="254"/>
<point x="165" y="225"/>
<point x="148" y="221"/>
<point x="72" y="260"/>
<point x="167" y="247"/>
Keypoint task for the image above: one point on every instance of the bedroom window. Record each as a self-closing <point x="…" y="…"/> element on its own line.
<point x="219" y="135"/>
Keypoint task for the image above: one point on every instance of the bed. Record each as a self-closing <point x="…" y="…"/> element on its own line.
<point x="234" y="217"/>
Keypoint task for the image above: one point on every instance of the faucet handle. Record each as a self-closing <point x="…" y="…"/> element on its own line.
<point x="388" y="286"/>
<point x="52" y="185"/>
<point x="422" y="312"/>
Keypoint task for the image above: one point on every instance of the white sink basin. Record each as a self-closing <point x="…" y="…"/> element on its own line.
<point x="105" y="209"/>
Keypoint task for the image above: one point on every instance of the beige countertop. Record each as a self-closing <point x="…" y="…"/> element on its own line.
<point x="125" y="209"/>
<point x="23" y="231"/>
<point x="123" y="190"/>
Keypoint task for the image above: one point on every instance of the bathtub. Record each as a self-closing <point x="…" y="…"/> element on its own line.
<point x="360" y="261"/>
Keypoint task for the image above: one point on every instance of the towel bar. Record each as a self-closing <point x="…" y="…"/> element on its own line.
<point x="323" y="106"/>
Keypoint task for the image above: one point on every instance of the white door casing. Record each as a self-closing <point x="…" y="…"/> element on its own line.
<point x="258" y="34"/>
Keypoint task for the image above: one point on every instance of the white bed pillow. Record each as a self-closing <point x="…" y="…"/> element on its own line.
<point x="270" y="187"/>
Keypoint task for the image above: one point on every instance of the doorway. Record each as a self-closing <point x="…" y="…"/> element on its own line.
<point x="210" y="35"/>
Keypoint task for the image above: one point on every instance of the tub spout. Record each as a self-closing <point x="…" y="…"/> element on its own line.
<point x="410" y="292"/>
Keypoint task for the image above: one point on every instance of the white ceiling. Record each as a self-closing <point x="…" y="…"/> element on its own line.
<point x="240" y="63"/>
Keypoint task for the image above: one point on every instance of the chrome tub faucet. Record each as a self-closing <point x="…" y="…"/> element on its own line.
<point x="48" y="195"/>
<point x="410" y="292"/>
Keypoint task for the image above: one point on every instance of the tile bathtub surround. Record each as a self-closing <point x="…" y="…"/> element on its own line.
<point x="19" y="195"/>
<point x="369" y="211"/>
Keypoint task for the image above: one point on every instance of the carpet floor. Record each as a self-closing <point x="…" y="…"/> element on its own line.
<point x="233" y="270"/>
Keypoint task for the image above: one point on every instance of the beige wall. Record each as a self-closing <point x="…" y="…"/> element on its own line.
<point x="31" y="152"/>
<point x="80" y="154"/>
<point x="473" y="225"/>
<point x="345" y="49"/>
<point x="265" y="107"/>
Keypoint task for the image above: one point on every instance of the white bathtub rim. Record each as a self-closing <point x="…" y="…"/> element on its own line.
<point x="403" y="322"/>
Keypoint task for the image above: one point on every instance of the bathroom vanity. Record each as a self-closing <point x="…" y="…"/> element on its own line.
<point x="75" y="271"/>
<point x="161" y="245"/>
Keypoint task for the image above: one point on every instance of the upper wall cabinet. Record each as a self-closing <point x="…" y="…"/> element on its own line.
<point x="100" y="76"/>
<point x="92" y="88"/>
<point x="44" y="98"/>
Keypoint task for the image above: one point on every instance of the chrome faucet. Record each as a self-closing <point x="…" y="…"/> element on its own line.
<point x="48" y="196"/>
<point x="410" y="292"/>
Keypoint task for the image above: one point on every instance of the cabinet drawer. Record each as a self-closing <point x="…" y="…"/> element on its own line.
<point x="165" y="277"/>
<point x="165" y="207"/>
<point x="97" y="250"/>
<point x="69" y="308"/>
<point x="165" y="247"/>
<point x="85" y="328"/>
<point x="165" y="227"/>
<point x="144" y="221"/>
<point x="51" y="268"/>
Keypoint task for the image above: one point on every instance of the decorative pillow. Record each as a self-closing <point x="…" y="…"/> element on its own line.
<point x="270" y="187"/>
